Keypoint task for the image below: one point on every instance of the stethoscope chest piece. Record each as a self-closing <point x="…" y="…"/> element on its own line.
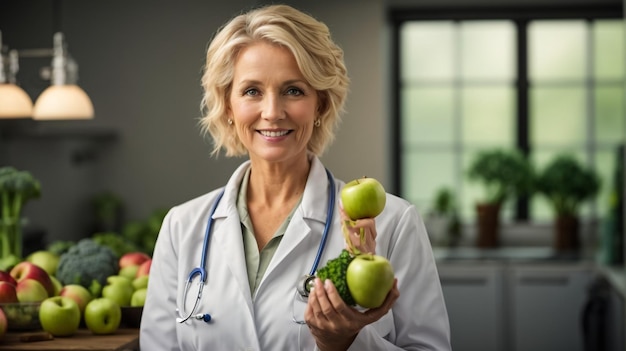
<point x="305" y="284"/>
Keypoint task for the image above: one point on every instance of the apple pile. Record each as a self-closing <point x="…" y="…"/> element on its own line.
<point x="360" y="278"/>
<point x="62" y="307"/>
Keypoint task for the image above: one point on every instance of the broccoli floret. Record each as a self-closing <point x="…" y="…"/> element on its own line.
<point x="87" y="263"/>
<point x="335" y="270"/>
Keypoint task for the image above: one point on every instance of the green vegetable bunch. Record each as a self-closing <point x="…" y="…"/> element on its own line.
<point x="88" y="264"/>
<point x="114" y="241"/>
<point x="335" y="270"/>
<point x="16" y="189"/>
<point x="59" y="247"/>
<point x="567" y="184"/>
<point x="143" y="234"/>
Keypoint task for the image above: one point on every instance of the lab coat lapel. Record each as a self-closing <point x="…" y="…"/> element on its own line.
<point x="313" y="208"/>
<point x="227" y="236"/>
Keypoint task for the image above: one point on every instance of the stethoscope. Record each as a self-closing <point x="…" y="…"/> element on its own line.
<point x="303" y="287"/>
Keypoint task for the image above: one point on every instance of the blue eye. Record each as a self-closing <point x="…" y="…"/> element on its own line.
<point x="294" y="91"/>
<point x="251" y="92"/>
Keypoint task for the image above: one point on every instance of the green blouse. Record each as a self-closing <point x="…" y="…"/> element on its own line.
<point x="257" y="262"/>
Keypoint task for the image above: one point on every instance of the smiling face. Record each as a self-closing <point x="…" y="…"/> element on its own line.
<point x="271" y="104"/>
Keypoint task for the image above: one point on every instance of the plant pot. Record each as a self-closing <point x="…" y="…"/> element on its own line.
<point x="488" y="225"/>
<point x="566" y="233"/>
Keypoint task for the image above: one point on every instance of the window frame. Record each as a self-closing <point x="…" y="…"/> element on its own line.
<point x="520" y="16"/>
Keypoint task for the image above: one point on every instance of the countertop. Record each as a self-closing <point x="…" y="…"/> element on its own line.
<point x="126" y="339"/>
<point x="516" y="254"/>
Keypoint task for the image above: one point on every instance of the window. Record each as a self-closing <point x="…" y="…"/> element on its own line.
<point x="539" y="84"/>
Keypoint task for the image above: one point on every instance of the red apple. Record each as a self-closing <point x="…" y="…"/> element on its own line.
<point x="144" y="268"/>
<point x="363" y="198"/>
<point x="6" y="277"/>
<point x="133" y="258"/>
<point x="27" y="270"/>
<point x="8" y="293"/>
<point x="78" y="293"/>
<point x="30" y="290"/>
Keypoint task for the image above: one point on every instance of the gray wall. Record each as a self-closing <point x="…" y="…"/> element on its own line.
<point x="140" y="61"/>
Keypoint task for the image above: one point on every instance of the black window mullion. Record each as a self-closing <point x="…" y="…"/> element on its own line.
<point x="523" y="120"/>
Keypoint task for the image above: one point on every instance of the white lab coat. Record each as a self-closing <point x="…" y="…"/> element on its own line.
<point x="418" y="320"/>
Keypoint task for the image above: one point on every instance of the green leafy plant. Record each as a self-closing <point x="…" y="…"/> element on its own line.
<point x="503" y="173"/>
<point x="567" y="184"/>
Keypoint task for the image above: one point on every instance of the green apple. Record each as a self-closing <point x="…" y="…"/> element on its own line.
<point x="59" y="316"/>
<point x="139" y="297"/>
<point x="57" y="285"/>
<point x="141" y="282"/>
<point x="369" y="278"/>
<point x="118" y="291"/>
<point x="129" y="271"/>
<point x="118" y="279"/>
<point x="363" y="198"/>
<point x="103" y="316"/>
<point x="78" y="293"/>
<point x="47" y="260"/>
<point x="30" y="290"/>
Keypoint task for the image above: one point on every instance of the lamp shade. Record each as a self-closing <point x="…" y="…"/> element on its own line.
<point x="63" y="102"/>
<point x="14" y="102"/>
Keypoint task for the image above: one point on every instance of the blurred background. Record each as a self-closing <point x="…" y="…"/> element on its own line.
<point x="453" y="104"/>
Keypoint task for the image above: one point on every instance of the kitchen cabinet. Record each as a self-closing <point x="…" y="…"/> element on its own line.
<point x="546" y="306"/>
<point x="515" y="305"/>
<point x="614" y="322"/>
<point x="474" y="299"/>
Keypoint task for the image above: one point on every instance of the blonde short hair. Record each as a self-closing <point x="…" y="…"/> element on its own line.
<point x="319" y="59"/>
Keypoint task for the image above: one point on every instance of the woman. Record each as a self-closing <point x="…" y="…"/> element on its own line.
<point x="275" y="84"/>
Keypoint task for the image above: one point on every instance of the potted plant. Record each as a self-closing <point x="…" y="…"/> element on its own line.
<point x="16" y="189"/>
<point x="567" y="184"/>
<point x="442" y="220"/>
<point x="503" y="174"/>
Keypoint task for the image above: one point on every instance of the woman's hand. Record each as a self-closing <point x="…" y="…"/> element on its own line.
<point x="335" y="325"/>
<point x="365" y="243"/>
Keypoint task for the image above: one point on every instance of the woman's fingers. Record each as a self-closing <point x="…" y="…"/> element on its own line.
<point x="362" y="234"/>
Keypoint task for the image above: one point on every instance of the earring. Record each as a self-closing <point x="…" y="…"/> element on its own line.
<point x="317" y="122"/>
<point x="230" y="121"/>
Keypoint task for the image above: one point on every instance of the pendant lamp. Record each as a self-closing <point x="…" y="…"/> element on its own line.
<point x="63" y="99"/>
<point x="14" y="101"/>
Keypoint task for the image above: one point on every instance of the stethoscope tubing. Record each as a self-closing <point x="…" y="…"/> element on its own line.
<point x="201" y="270"/>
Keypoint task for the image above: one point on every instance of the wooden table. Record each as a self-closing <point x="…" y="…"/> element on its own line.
<point x="83" y="340"/>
